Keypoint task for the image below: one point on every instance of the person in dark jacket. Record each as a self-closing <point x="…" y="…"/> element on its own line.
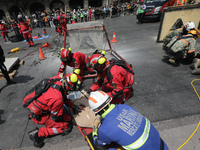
<point x="3" y="67"/>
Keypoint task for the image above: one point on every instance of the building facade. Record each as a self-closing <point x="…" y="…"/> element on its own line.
<point x="11" y="8"/>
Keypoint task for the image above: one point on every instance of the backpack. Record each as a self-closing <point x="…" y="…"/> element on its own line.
<point x="30" y="99"/>
<point x="120" y="63"/>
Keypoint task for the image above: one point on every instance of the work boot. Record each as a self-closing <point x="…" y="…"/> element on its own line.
<point x="68" y="129"/>
<point x="196" y="63"/>
<point x="196" y="71"/>
<point x="37" y="141"/>
<point x="174" y="62"/>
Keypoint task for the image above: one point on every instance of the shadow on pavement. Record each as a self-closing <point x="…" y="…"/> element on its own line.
<point x="18" y="79"/>
<point x="22" y="79"/>
<point x="1" y="121"/>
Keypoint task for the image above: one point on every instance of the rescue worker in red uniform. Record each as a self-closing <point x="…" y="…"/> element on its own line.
<point x="54" y="115"/>
<point x="63" y="22"/>
<point x="113" y="79"/>
<point x="76" y="60"/>
<point x="14" y="26"/>
<point x="26" y="30"/>
<point x="4" y="30"/>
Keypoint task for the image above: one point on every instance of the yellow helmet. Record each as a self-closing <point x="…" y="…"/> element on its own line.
<point x="70" y="49"/>
<point x="195" y="32"/>
<point x="62" y="48"/>
<point x="77" y="71"/>
<point x="102" y="52"/>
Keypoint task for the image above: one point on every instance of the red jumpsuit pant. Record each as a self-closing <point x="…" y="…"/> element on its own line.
<point x="52" y="127"/>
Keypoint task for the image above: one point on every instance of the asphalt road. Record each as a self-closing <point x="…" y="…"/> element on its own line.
<point x="161" y="92"/>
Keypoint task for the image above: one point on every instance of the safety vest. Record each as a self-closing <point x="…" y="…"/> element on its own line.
<point x="143" y="138"/>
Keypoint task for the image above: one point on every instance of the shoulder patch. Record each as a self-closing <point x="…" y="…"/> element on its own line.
<point x="62" y="66"/>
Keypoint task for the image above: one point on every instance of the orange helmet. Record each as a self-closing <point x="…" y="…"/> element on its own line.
<point x="195" y="32"/>
<point x="73" y="82"/>
<point x="65" y="55"/>
<point x="97" y="62"/>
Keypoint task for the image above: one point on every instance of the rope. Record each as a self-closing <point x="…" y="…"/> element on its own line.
<point x="199" y="121"/>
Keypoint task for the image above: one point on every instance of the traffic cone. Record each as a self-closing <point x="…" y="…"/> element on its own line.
<point x="41" y="54"/>
<point x="46" y="45"/>
<point x="45" y="32"/>
<point x="73" y="22"/>
<point x="114" y="38"/>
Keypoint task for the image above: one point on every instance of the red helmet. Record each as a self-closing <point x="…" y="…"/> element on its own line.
<point x="73" y="82"/>
<point x="97" y="62"/>
<point x="65" y="55"/>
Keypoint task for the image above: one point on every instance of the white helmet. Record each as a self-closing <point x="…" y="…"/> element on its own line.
<point x="98" y="100"/>
<point x="190" y="25"/>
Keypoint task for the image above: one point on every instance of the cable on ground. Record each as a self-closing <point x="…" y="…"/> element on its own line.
<point x="199" y="121"/>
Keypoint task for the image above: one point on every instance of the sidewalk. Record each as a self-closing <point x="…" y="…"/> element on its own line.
<point x="176" y="132"/>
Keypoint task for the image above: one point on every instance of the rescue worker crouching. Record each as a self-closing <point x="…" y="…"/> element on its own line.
<point x="178" y="32"/>
<point x="183" y="47"/>
<point x="76" y="60"/>
<point x="112" y="78"/>
<point x="123" y="125"/>
<point x="49" y="110"/>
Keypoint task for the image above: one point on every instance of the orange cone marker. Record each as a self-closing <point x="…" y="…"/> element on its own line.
<point x="114" y="38"/>
<point x="41" y="54"/>
<point x="46" y="45"/>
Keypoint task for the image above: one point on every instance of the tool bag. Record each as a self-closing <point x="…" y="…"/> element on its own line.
<point x="120" y="63"/>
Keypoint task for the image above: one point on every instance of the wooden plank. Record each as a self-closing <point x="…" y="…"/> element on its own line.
<point x="11" y="75"/>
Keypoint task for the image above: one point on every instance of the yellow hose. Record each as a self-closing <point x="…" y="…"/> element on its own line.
<point x="199" y="121"/>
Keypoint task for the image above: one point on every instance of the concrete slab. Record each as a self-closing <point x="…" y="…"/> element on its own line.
<point x="10" y="63"/>
<point x="86" y="36"/>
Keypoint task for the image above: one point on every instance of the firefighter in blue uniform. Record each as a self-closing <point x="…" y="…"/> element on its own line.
<point x="123" y="125"/>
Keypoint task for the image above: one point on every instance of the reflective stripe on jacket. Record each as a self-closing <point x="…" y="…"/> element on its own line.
<point x="143" y="138"/>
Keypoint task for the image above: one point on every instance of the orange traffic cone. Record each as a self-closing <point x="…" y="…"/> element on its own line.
<point x="114" y="38"/>
<point x="73" y="22"/>
<point x="41" y="54"/>
<point x="46" y="45"/>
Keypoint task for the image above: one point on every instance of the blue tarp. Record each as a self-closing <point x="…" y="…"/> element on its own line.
<point x="42" y="37"/>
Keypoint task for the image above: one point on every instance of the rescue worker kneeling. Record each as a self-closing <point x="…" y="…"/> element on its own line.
<point x="76" y="60"/>
<point x="112" y="78"/>
<point x="123" y="125"/>
<point x="183" y="47"/>
<point x="178" y="32"/>
<point x="49" y="110"/>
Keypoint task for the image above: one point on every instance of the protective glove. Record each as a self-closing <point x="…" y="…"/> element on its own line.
<point x="96" y="126"/>
<point x="86" y="93"/>
<point x="77" y="109"/>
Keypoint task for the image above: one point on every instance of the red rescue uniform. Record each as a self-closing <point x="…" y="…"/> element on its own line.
<point x="4" y="31"/>
<point x="78" y="61"/>
<point x="52" y="105"/>
<point x="119" y="86"/>
<point x="63" y="22"/>
<point x="25" y="29"/>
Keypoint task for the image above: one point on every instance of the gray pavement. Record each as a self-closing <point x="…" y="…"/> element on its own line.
<point x="162" y="93"/>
